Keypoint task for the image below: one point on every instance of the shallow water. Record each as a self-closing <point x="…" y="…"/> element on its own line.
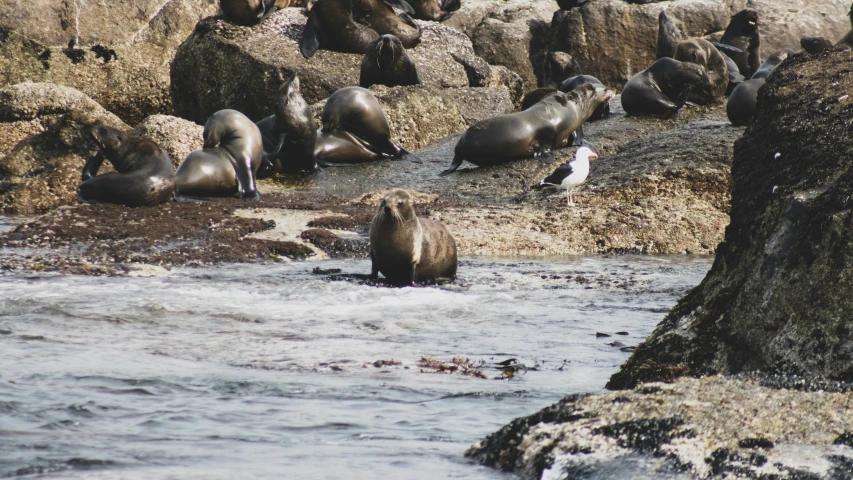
<point x="266" y="370"/>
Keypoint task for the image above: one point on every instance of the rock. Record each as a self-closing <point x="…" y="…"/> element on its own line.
<point x="612" y="40"/>
<point x="178" y="137"/>
<point x="42" y="170"/>
<point x="690" y="429"/>
<point x="419" y="115"/>
<point x="775" y="297"/>
<point x="222" y="65"/>
<point x="119" y="53"/>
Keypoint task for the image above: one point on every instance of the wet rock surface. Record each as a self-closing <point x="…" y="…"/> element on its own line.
<point x="713" y="427"/>
<point x="116" y="53"/>
<point x="775" y="297"/>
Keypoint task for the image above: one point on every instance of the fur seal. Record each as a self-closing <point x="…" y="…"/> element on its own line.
<point x="815" y="45"/>
<point x="662" y="89"/>
<point x="771" y="62"/>
<point x="144" y="174"/>
<point x="407" y="249"/>
<point x="536" y="96"/>
<point x="742" y="102"/>
<point x="742" y="34"/>
<point x="386" y="62"/>
<point x="341" y="148"/>
<point x="701" y="52"/>
<point x="570" y="4"/>
<point x="350" y="26"/>
<point x="534" y="132"/>
<point x="252" y="12"/>
<point x="355" y="110"/>
<point x="435" y="10"/>
<point x="293" y="127"/>
<point x="572" y="83"/>
<point x="232" y="152"/>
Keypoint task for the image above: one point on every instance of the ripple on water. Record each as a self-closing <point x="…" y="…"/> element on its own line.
<point x="253" y="370"/>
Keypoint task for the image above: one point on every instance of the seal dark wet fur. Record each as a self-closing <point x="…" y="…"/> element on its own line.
<point x="144" y="174"/>
<point x="252" y="12"/>
<point x="742" y="34"/>
<point x="662" y="89"/>
<point x="701" y="52"/>
<point x="226" y="165"/>
<point x="355" y="110"/>
<point x="435" y="10"/>
<point x="535" y="132"/>
<point x="386" y="62"/>
<point x="293" y="128"/>
<point x="407" y="249"/>
<point x="669" y="37"/>
<point x="571" y="83"/>
<point x="342" y="148"/>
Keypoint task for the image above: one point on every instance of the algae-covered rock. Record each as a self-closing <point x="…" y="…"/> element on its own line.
<point x="50" y="123"/>
<point x="778" y="296"/>
<point x="116" y="52"/>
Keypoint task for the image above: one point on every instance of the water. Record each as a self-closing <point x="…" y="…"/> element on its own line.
<point x="266" y="370"/>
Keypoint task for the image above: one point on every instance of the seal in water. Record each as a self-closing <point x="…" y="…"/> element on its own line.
<point x="387" y="63"/>
<point x="534" y="132"/>
<point x="742" y="34"/>
<point x="144" y="174"/>
<point x="662" y="89"/>
<point x="294" y="122"/>
<point x="701" y="52"/>
<point x="349" y="26"/>
<point x="252" y="12"/>
<point x="356" y="110"/>
<point x="435" y="10"/>
<point x="407" y="249"/>
<point x="232" y="152"/>
<point x="571" y="83"/>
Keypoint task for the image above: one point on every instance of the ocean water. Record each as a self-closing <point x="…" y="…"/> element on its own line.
<point x="270" y="370"/>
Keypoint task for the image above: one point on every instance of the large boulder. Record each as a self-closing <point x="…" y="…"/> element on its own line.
<point x="778" y="295"/>
<point x="612" y="39"/>
<point x="178" y="137"/>
<point x="117" y="53"/>
<point x="41" y="171"/>
<point x="222" y="65"/>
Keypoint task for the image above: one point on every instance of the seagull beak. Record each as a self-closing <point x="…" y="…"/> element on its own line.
<point x="593" y="155"/>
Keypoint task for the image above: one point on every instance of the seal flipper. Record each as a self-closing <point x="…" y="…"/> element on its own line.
<point x="726" y="49"/>
<point x="544" y="155"/>
<point x="579" y="137"/>
<point x="319" y="173"/>
<point x="400" y="5"/>
<point x="310" y="42"/>
<point x="407" y="155"/>
<point x="457" y="161"/>
<point x="93" y="164"/>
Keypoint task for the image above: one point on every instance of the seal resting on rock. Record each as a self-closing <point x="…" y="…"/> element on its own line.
<point x="534" y="132"/>
<point x="226" y="165"/>
<point x="386" y="62"/>
<point x="742" y="34"/>
<point x="742" y="102"/>
<point x="662" y="89"/>
<point x="355" y="110"/>
<point x="407" y="249"/>
<point x="572" y="83"/>
<point x="435" y="10"/>
<point x="144" y="174"/>
<point x="701" y="52"/>
<point x="293" y="127"/>
<point x="342" y="148"/>
<point x="252" y="12"/>
<point x="349" y="26"/>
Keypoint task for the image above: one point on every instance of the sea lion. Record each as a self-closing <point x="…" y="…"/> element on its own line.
<point x="558" y="67"/>
<point x="232" y="152"/>
<point x="571" y="83"/>
<point x="742" y="102"/>
<point x="386" y="62"/>
<point x="407" y="249"/>
<point x="342" y="148"/>
<point x="252" y="12"/>
<point x="293" y="127"/>
<point x="669" y="36"/>
<point x="356" y="110"/>
<point x="435" y="10"/>
<point x="742" y="34"/>
<point x="701" y="52"/>
<point x="771" y="62"/>
<point x="662" y="89"/>
<point x="735" y="78"/>
<point x="144" y="174"/>
<point x="350" y="26"/>
<point x="536" y="96"/>
<point x="534" y="132"/>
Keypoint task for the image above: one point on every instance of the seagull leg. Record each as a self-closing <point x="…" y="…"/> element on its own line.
<point x="571" y="200"/>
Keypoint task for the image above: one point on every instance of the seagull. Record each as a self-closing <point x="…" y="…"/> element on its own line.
<point x="572" y="174"/>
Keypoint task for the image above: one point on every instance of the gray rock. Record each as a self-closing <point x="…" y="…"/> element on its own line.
<point x="777" y="296"/>
<point x="612" y="40"/>
<point x="243" y="67"/>
<point x="41" y="171"/>
<point x="143" y="36"/>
